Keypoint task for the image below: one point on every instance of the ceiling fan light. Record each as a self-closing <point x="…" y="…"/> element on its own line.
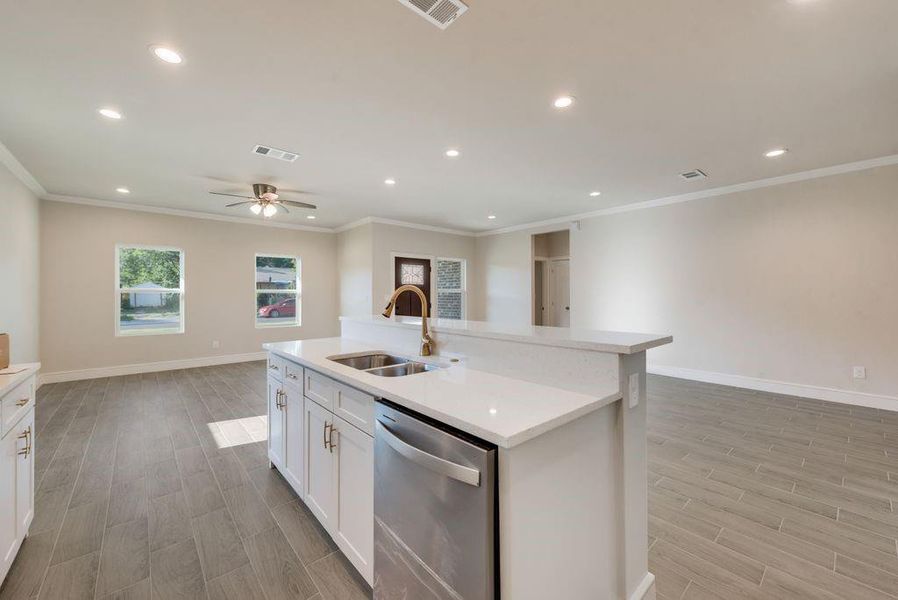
<point x="269" y="211"/>
<point x="256" y="208"/>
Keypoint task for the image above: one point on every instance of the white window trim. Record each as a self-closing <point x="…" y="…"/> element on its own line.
<point x="181" y="291"/>
<point x="463" y="289"/>
<point x="256" y="292"/>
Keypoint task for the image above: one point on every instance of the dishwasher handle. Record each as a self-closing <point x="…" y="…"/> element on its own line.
<point x="428" y="461"/>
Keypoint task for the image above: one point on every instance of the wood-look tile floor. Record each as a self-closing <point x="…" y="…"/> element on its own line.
<point x="157" y="486"/>
<point x="755" y="495"/>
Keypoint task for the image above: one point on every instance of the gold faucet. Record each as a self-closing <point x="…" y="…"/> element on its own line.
<point x="426" y="340"/>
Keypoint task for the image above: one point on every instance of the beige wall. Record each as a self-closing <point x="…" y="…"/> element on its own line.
<point x="355" y="248"/>
<point x="793" y="283"/>
<point x="19" y="267"/>
<point x="390" y="239"/>
<point x="78" y="300"/>
<point x="552" y="245"/>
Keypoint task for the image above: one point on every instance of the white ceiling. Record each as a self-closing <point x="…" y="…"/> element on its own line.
<point x="364" y="90"/>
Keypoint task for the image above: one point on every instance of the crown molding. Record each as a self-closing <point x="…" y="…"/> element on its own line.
<point x="20" y="172"/>
<point x="175" y="212"/>
<point x="406" y="224"/>
<point x="862" y="165"/>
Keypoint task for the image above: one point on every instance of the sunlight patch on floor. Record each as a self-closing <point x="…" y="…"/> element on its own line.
<point x="237" y="432"/>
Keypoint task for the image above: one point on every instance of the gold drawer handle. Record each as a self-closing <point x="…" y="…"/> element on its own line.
<point x="23" y="401"/>
<point x="26" y="435"/>
<point x="330" y="439"/>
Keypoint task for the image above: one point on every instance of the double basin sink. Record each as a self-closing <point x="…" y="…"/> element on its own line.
<point x="384" y="365"/>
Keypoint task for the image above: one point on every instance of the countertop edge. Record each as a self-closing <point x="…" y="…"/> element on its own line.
<point x="7" y="382"/>
<point x="608" y="347"/>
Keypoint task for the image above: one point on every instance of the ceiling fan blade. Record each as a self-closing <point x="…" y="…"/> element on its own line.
<point x="232" y="195"/>
<point x="297" y="204"/>
<point x="284" y="208"/>
<point x="291" y="191"/>
<point x="239" y="203"/>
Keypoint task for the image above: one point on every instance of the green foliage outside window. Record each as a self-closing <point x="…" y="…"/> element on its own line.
<point x="138" y="265"/>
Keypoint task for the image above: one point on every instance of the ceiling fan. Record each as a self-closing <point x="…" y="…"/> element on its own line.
<point x="265" y="200"/>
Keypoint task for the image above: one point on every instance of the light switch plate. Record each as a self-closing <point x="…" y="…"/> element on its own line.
<point x="634" y="390"/>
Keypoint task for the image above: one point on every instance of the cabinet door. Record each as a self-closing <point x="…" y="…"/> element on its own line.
<point x="275" y="424"/>
<point x="9" y="446"/>
<point x="25" y="475"/>
<point x="320" y="484"/>
<point x="293" y="428"/>
<point x="354" y="451"/>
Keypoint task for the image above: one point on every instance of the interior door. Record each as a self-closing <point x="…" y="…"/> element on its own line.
<point x="320" y="489"/>
<point x="275" y="424"/>
<point x="560" y="273"/>
<point x="412" y="271"/>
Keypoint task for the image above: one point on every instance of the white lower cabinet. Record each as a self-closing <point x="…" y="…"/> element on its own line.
<point x="354" y="475"/>
<point x="277" y="447"/>
<point x="294" y="451"/>
<point x="328" y="460"/>
<point x="16" y="472"/>
<point x="320" y="492"/>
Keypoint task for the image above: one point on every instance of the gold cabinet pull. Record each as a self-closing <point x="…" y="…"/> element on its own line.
<point x="22" y="402"/>
<point x="330" y="439"/>
<point x="291" y="375"/>
<point x="326" y="427"/>
<point x="26" y="435"/>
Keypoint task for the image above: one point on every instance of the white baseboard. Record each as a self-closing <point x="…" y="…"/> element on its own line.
<point x="645" y="590"/>
<point x="780" y="387"/>
<point x="167" y="365"/>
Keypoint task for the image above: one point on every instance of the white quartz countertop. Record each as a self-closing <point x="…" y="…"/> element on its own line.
<point x="618" y="342"/>
<point x="501" y="410"/>
<point x="8" y="382"/>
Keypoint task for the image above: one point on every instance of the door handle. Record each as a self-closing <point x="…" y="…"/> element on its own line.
<point x="425" y="459"/>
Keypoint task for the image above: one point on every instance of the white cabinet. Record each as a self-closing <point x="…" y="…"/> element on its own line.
<point x="276" y="430"/>
<point x="320" y="439"/>
<point x="354" y="474"/>
<point x="320" y="496"/>
<point x="16" y="468"/>
<point x="294" y="417"/>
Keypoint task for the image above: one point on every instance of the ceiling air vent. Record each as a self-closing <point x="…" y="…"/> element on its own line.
<point x="693" y="175"/>
<point x="439" y="12"/>
<point x="276" y="153"/>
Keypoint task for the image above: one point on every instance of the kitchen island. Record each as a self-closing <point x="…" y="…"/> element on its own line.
<point x="564" y="409"/>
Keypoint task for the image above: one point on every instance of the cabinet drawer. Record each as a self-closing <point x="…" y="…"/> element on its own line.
<point x="321" y="389"/>
<point x="276" y="366"/>
<point x="293" y="373"/>
<point x="16" y="404"/>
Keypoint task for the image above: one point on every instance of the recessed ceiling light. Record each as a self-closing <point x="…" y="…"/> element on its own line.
<point x="310" y="216"/>
<point x="563" y="101"/>
<point x="167" y="54"/>
<point x="776" y="152"/>
<point x="452" y="153"/>
<point x="491" y="217"/>
<point x="594" y="194"/>
<point x="110" y="113"/>
<point x="122" y="190"/>
<point x="390" y="181"/>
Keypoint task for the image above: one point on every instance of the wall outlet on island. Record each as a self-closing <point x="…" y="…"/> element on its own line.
<point x="859" y="372"/>
<point x="216" y="344"/>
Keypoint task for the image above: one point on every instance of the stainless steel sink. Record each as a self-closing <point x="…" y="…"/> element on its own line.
<point x="409" y="368"/>
<point x="370" y="361"/>
<point x="384" y="365"/>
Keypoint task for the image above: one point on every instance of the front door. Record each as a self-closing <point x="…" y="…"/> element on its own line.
<point x="412" y="271"/>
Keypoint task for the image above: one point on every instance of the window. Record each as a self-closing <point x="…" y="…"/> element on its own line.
<point x="450" y="288"/>
<point x="149" y="290"/>
<point x="278" y="291"/>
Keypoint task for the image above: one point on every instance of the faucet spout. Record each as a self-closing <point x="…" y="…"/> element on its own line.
<point x="426" y="340"/>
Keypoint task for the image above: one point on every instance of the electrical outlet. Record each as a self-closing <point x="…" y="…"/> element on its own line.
<point x="859" y="372"/>
<point x="216" y="344"/>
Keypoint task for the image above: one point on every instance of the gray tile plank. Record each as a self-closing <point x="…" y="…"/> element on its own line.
<point x="82" y="531"/>
<point x="138" y="591"/>
<point x="239" y="584"/>
<point x="309" y="540"/>
<point x="28" y="569"/>
<point x="202" y="494"/>
<point x="281" y="574"/>
<point x="127" y="502"/>
<point x="177" y="572"/>
<point x="248" y="510"/>
<point x="169" y="520"/>
<point x="126" y="556"/>
<point x="218" y="543"/>
<point x="74" y="579"/>
<point x="337" y="579"/>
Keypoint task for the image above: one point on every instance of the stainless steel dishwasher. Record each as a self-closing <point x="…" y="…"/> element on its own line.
<point x="435" y="511"/>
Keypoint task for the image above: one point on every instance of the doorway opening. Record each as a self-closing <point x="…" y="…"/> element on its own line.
<point x="552" y="279"/>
